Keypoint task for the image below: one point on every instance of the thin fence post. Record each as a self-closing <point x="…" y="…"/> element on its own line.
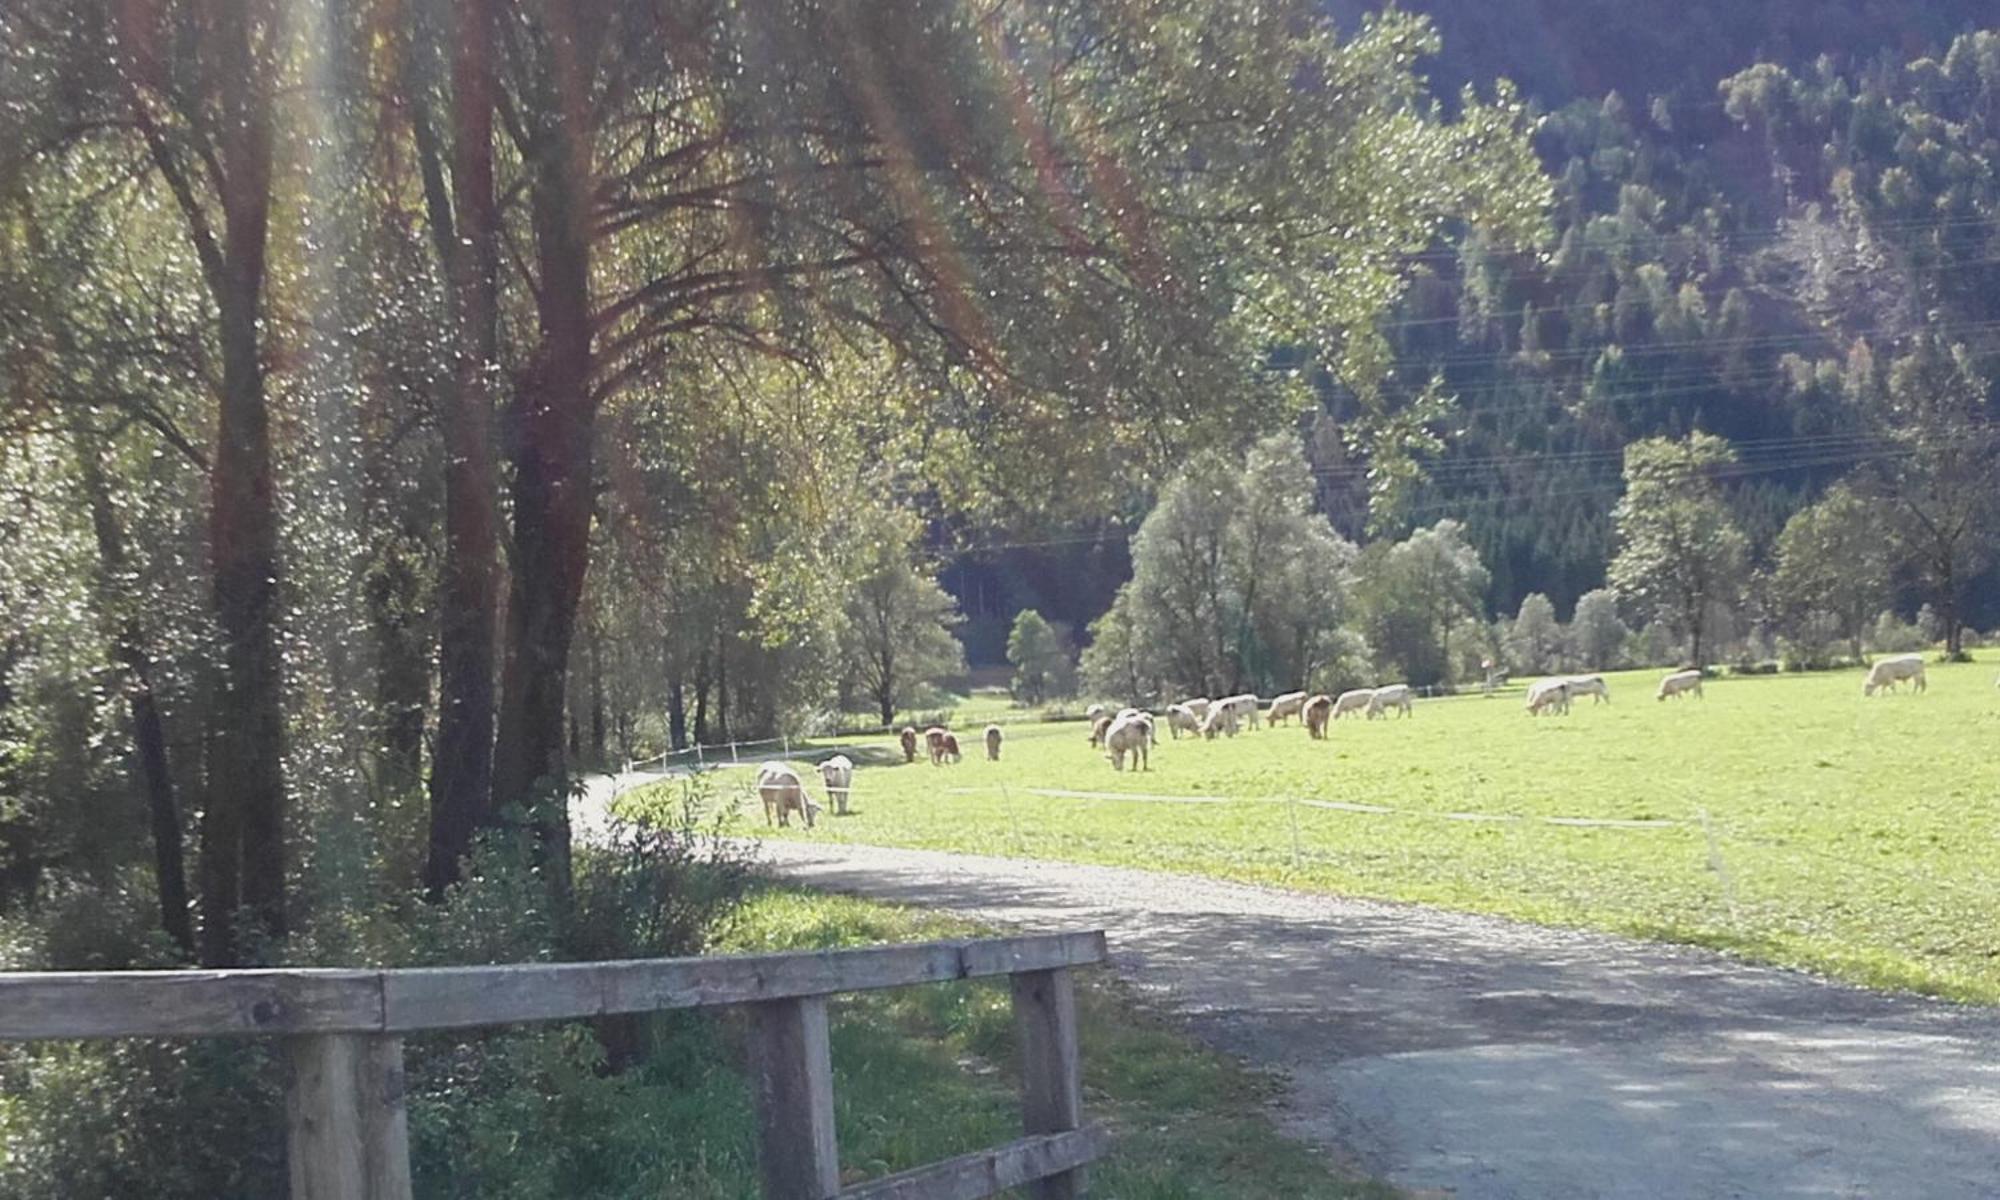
<point x="346" y="1133"/>
<point x="1051" y="1077"/>
<point x="698" y="761"/>
<point x="732" y="752"/>
<point x="791" y="1072"/>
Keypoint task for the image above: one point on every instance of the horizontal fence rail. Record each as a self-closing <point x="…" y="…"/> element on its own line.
<point x="346" y="1130"/>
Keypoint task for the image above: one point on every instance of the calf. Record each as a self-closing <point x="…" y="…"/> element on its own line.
<point x="909" y="739"/>
<point x="1888" y="672"/>
<point x="837" y="773"/>
<point x="993" y="736"/>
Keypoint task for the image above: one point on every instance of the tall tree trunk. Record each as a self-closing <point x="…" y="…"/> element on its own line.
<point x="149" y="735"/>
<point x="701" y="697"/>
<point x="552" y="429"/>
<point x="677" y="717"/>
<point x="246" y="773"/>
<point x="461" y="785"/>
<point x="722" y="685"/>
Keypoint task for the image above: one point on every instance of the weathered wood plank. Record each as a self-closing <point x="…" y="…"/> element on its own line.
<point x="1040" y="952"/>
<point x="1051" y="1076"/>
<point x="36" y="1006"/>
<point x="449" y="997"/>
<point x="791" y="1077"/>
<point x="990" y="1172"/>
<point x="345" y="1131"/>
<point x="92" y="1004"/>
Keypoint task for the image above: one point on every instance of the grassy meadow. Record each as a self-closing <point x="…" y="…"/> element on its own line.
<point x="1784" y="817"/>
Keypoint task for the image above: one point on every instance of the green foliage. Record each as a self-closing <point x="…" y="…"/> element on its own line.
<point x="1680" y="552"/>
<point x="1236" y="584"/>
<point x="897" y="636"/>
<point x="1597" y="636"/>
<point x="1041" y="659"/>
<point x="1412" y="598"/>
<point x="1833" y="573"/>
<point x="1535" y="640"/>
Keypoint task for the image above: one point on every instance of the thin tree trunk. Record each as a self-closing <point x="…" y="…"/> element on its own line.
<point x="722" y="684"/>
<point x="149" y="736"/>
<point x="598" y="745"/>
<point x="461" y="786"/>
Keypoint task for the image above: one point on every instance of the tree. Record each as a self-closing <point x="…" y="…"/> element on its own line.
<point x="1941" y="492"/>
<point x="1412" y="594"/>
<point x="1597" y="636"/>
<point x="1118" y="662"/>
<point x="898" y="630"/>
<point x="1834" y="569"/>
<point x="1679" y="549"/>
<point x="1238" y="582"/>
<point x="1040" y="659"/>
<point x="1535" y="640"/>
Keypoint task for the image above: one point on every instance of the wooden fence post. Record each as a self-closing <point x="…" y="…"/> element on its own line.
<point x="1051" y="1080"/>
<point x="791" y="1070"/>
<point x="346" y="1133"/>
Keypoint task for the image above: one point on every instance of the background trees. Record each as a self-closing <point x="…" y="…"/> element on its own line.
<point x="1413" y="596"/>
<point x="1041" y="659"/>
<point x="1680" y="551"/>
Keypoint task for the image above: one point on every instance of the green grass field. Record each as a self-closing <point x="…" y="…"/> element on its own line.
<point x="1796" y="821"/>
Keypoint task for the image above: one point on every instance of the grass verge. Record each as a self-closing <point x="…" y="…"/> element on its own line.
<point x="922" y="1074"/>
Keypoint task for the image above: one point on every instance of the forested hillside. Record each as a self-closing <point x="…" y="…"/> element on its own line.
<point x="1758" y="207"/>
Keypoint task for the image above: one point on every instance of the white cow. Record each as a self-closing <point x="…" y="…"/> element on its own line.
<point x="1592" y="686"/>
<point x="1244" y="707"/>
<point x="1888" y="672"/>
<point x="1397" y="696"/>
<point x="1353" y="701"/>
<point x="1219" y="720"/>
<point x="1129" y="735"/>
<point x="1287" y="706"/>
<point x="1680" y="682"/>
<point x="784" y="793"/>
<point x="1198" y="705"/>
<point x="1548" y="695"/>
<point x="837" y="773"/>
<point x="1093" y="712"/>
<point x="1182" y="719"/>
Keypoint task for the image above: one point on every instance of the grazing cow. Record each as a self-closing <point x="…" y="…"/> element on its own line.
<point x="784" y="793"/>
<point x="1287" y="706"/>
<point x="909" y="739"/>
<point x="1680" y="683"/>
<point x="1592" y="686"/>
<point x="1093" y="712"/>
<point x="1548" y="695"/>
<point x="934" y="741"/>
<point x="993" y="736"/>
<point x="1181" y="719"/>
<point x="1220" y="719"/>
<point x="1397" y="696"/>
<point x="1098" y="725"/>
<point x="1317" y="712"/>
<point x="948" y="750"/>
<point x="1244" y="706"/>
<point x="837" y="773"/>
<point x="1151" y="725"/>
<point x="1129" y="735"/>
<point x="1198" y="705"/>
<point x="1353" y="701"/>
<point x="1888" y="672"/>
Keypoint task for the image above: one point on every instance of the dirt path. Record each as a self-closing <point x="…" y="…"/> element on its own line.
<point x="1491" y="1061"/>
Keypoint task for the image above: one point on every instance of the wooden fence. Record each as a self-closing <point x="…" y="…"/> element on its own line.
<point x="346" y="1134"/>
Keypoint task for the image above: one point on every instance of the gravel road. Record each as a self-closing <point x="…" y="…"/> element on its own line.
<point x="1488" y="1060"/>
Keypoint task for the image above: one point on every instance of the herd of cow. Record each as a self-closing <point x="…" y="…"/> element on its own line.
<point x="1131" y="732"/>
